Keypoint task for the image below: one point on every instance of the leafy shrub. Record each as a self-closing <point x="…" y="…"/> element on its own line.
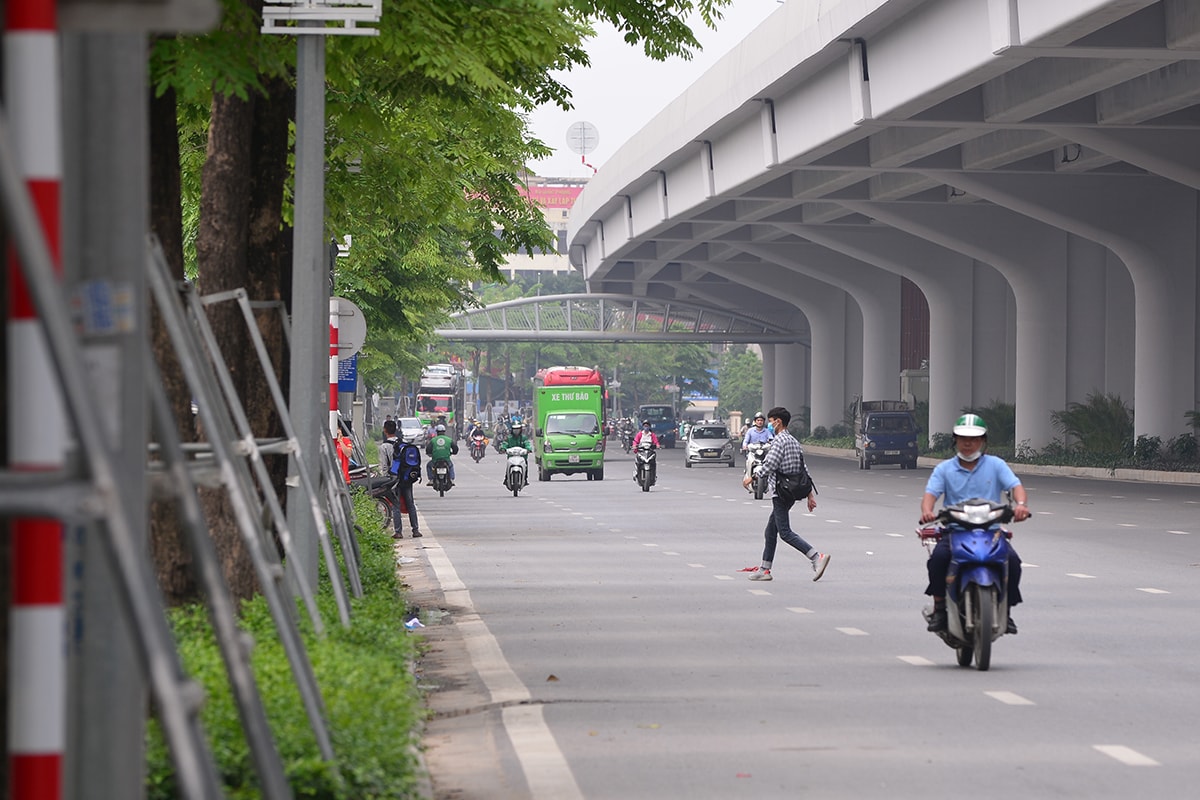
<point x="1102" y="426"/>
<point x="839" y="431"/>
<point x="1001" y="419"/>
<point x="1146" y="449"/>
<point x="1185" y="448"/>
<point x="820" y="432"/>
<point x="372" y="703"/>
<point x="941" y="443"/>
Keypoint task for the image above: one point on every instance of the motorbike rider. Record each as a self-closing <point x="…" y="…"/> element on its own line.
<point x="759" y="432"/>
<point x="645" y="434"/>
<point x="440" y="448"/>
<point x="517" y="438"/>
<point x="970" y="473"/>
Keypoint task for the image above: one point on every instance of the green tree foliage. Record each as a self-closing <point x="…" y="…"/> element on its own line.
<point x="1001" y="419"/>
<point x="739" y="382"/>
<point x="1101" y="425"/>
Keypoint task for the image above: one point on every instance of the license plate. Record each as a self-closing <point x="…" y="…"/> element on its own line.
<point x="573" y="458"/>
<point x="709" y="454"/>
<point x="441" y="470"/>
<point x="891" y="452"/>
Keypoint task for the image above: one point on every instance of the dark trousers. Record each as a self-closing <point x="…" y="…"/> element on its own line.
<point x="780" y="527"/>
<point x="404" y="493"/>
<point x="939" y="565"/>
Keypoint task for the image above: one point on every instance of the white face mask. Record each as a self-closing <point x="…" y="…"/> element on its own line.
<point x="972" y="457"/>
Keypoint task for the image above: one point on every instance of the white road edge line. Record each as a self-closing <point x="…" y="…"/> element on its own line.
<point x="546" y="769"/>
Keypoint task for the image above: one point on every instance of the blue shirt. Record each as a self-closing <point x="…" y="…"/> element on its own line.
<point x="989" y="480"/>
<point x="754" y="435"/>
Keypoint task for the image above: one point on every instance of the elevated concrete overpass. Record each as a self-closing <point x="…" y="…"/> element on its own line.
<point x="1031" y="166"/>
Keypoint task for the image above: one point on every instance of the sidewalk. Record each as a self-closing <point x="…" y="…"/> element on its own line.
<point x="1143" y="475"/>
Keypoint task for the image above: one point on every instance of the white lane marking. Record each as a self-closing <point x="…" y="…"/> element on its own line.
<point x="1079" y="575"/>
<point x="799" y="610"/>
<point x="1010" y="699"/>
<point x="896" y="535"/>
<point x="834" y="521"/>
<point x="546" y="770"/>
<point x="723" y="577"/>
<point x="862" y="527"/>
<point x="1083" y="519"/>
<point x="730" y="499"/>
<point x="670" y="553"/>
<point x="696" y="566"/>
<point x="1126" y="755"/>
<point x="576" y="513"/>
<point x="759" y="592"/>
<point x="589" y="517"/>
<point x="630" y="537"/>
<point x="1180" y="533"/>
<point x="615" y="530"/>
<point x="1148" y="590"/>
<point x="916" y="661"/>
<point x="1126" y="525"/>
<point x="853" y="631"/>
<point x="649" y="544"/>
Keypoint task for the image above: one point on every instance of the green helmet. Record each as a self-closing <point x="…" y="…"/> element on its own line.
<point x="970" y="425"/>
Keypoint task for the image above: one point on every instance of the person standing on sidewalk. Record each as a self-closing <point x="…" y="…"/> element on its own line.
<point x="391" y="450"/>
<point x="787" y="457"/>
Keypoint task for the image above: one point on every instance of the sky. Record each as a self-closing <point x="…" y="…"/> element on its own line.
<point x="623" y="89"/>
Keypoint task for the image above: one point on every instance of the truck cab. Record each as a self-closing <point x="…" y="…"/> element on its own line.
<point x="662" y="422"/>
<point x="885" y="432"/>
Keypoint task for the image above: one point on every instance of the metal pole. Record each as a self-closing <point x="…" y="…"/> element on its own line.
<point x="310" y="270"/>
<point x="105" y="215"/>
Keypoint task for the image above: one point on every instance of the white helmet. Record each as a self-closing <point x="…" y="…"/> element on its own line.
<point x="440" y="429"/>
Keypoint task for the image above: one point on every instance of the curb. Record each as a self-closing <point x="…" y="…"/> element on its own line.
<point x="1095" y="473"/>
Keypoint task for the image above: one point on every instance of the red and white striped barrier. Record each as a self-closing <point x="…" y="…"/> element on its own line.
<point x="333" y="368"/>
<point x="37" y="424"/>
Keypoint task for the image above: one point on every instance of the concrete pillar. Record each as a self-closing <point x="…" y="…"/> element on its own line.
<point x="1032" y="257"/>
<point x="1087" y="302"/>
<point x="1150" y="223"/>
<point x="992" y="321"/>
<point x="946" y="279"/>
<point x="1119" y="329"/>
<point x="768" y="381"/>
<point x="791" y="371"/>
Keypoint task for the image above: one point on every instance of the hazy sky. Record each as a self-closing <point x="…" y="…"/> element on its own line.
<point x="624" y="89"/>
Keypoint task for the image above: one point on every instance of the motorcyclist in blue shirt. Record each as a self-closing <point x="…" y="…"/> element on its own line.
<point x="970" y="473"/>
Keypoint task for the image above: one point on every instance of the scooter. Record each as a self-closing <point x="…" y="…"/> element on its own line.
<point x="755" y="453"/>
<point x="441" y="476"/>
<point x="977" y="581"/>
<point x="514" y="472"/>
<point x="479" y="444"/>
<point x="647" y="466"/>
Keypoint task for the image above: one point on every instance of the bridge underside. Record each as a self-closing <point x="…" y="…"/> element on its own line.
<point x="1032" y="166"/>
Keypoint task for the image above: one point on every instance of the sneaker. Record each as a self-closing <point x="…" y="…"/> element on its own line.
<point x="1011" y="629"/>
<point x="762" y="575"/>
<point x="819" y="563"/>
<point x="750" y="569"/>
<point x="416" y="534"/>
<point x="937" y="619"/>
<point x="397" y="535"/>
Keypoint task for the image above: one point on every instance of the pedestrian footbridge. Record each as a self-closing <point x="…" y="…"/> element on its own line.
<point x="618" y="318"/>
<point x="1030" y="165"/>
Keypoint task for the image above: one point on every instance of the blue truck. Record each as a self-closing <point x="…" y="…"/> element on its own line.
<point x="885" y="432"/>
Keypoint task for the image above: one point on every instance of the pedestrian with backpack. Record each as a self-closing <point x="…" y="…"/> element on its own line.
<point x="403" y="462"/>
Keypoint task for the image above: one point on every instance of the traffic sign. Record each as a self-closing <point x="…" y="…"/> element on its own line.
<point x="352" y="328"/>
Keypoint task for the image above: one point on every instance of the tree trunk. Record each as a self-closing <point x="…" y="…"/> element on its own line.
<point x="269" y="257"/>
<point x="221" y="249"/>
<point x="172" y="559"/>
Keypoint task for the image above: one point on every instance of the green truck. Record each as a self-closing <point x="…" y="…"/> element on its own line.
<point x="568" y="422"/>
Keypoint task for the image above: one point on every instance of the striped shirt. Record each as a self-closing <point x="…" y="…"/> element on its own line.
<point x="785" y="456"/>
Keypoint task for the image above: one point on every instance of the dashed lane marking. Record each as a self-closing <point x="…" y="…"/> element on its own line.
<point x="649" y="544"/>
<point x="895" y="535"/>
<point x="916" y="661"/>
<point x="1126" y="755"/>
<point x="853" y="631"/>
<point x="799" y="610"/>
<point x="862" y="527"/>
<point x="670" y="553"/>
<point x="1083" y="519"/>
<point x="759" y="592"/>
<point x="1126" y="525"/>
<point x="1180" y="533"/>
<point x="696" y="566"/>
<point x="723" y="577"/>
<point x="1010" y="699"/>
<point x="1079" y="575"/>
<point x="1149" y="590"/>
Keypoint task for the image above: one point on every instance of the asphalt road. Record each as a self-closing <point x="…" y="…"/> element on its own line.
<point x="591" y="640"/>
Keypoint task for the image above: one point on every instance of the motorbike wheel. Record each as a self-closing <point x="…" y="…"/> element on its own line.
<point x="385" y="508"/>
<point x="516" y="489"/>
<point x="760" y="489"/>
<point x="964" y="656"/>
<point x="985" y="611"/>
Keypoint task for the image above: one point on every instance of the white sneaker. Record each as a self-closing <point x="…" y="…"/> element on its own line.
<point x="762" y="575"/>
<point x="819" y="563"/>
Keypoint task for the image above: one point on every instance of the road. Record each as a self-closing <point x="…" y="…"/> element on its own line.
<point x="620" y="652"/>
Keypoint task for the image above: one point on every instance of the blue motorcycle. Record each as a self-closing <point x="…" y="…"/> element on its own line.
<point x="977" y="582"/>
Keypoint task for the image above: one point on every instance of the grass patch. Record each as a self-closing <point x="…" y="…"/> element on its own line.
<point x="373" y="705"/>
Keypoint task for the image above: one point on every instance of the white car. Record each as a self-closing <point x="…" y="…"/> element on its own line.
<point x="411" y="430"/>
<point x="709" y="443"/>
